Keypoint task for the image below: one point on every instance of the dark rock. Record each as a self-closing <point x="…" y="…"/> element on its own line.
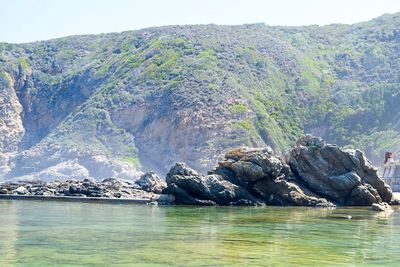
<point x="363" y="195"/>
<point x="183" y="197"/>
<point x="251" y="164"/>
<point x="3" y="191"/>
<point x="75" y="189"/>
<point x="108" y="188"/>
<point x="310" y="141"/>
<point x="245" y="166"/>
<point x="282" y="192"/>
<point x="151" y="182"/>
<point x="189" y="187"/>
<point x="334" y="173"/>
<point x="313" y="174"/>
<point x="266" y="176"/>
<point x="117" y="195"/>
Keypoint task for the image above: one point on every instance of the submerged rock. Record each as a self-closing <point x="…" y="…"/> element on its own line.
<point x="380" y="206"/>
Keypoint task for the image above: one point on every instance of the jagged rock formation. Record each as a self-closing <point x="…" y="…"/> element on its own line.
<point x="312" y="174"/>
<point x="345" y="177"/>
<point x="149" y="186"/>
<point x="151" y="182"/>
<point x="122" y="104"/>
<point x="188" y="187"/>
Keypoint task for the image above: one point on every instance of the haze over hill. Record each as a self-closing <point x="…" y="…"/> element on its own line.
<point x="114" y="104"/>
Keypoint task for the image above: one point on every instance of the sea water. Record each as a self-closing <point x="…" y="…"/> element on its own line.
<point x="52" y="233"/>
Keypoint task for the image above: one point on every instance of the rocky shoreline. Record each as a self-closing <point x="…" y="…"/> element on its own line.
<point x="149" y="187"/>
<point x="311" y="174"/>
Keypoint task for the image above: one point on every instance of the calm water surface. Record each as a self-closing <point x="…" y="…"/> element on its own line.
<point x="41" y="233"/>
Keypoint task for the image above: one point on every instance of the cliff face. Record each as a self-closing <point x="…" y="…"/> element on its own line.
<point x="116" y="104"/>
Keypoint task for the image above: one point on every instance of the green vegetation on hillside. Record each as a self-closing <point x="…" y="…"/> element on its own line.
<point x="227" y="85"/>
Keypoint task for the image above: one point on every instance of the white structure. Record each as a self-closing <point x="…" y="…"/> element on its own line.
<point x="391" y="172"/>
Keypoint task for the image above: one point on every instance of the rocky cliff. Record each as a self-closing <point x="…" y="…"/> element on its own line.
<point x="114" y="105"/>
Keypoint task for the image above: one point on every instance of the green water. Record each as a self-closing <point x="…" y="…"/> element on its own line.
<point x="41" y="233"/>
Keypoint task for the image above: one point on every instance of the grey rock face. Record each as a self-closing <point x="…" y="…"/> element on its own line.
<point x="151" y="182"/>
<point x="189" y="187"/>
<point x="282" y="192"/>
<point x="363" y="195"/>
<point x="11" y="126"/>
<point x="337" y="174"/>
<point x="250" y="165"/>
<point x="267" y="177"/>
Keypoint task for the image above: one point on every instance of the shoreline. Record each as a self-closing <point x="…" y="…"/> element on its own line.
<point x="147" y="201"/>
<point x="80" y="199"/>
<point x="245" y="177"/>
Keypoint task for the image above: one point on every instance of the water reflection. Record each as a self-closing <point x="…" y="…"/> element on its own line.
<point x="59" y="233"/>
<point x="285" y="235"/>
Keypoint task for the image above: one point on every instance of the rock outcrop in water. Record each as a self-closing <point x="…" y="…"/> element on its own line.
<point x="344" y="177"/>
<point x="189" y="187"/>
<point x="311" y="174"/>
<point x="149" y="186"/>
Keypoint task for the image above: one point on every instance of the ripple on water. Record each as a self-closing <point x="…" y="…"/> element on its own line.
<point x="40" y="233"/>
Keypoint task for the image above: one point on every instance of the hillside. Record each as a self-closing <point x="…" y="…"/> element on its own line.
<point x="115" y="104"/>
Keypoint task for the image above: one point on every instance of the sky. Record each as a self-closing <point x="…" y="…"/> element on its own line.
<point x="33" y="20"/>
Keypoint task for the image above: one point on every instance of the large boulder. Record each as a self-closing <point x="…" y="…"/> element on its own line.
<point x="189" y="187"/>
<point x="345" y="177"/>
<point x="266" y="176"/>
<point x="245" y="176"/>
<point x="245" y="166"/>
<point x="151" y="182"/>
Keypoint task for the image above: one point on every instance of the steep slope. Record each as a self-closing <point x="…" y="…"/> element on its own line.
<point x="115" y="104"/>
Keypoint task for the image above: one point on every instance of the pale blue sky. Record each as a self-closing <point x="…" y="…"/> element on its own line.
<point x="25" y="21"/>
